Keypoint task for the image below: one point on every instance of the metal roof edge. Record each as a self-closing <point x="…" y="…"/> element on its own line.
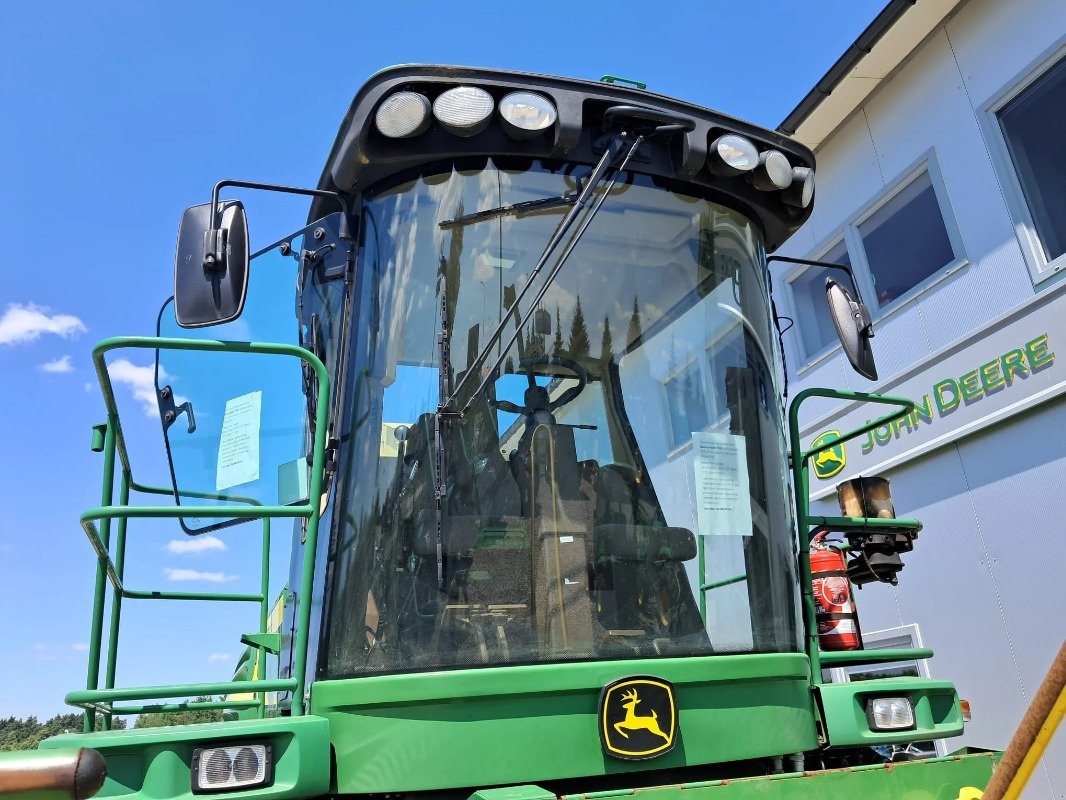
<point x="811" y="120"/>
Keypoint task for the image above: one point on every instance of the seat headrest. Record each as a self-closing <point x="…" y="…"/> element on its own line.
<point x="645" y="542"/>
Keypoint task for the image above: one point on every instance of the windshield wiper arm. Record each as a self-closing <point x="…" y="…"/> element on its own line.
<point x="611" y="155"/>
<point x="518" y="209"/>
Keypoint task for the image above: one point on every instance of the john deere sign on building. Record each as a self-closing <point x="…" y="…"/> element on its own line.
<point x="1006" y="369"/>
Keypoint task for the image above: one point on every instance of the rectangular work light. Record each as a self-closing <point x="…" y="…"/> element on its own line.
<point x="890" y="713"/>
<point x="239" y="766"/>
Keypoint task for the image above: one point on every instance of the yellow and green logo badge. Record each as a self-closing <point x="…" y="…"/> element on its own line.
<point x="638" y="718"/>
<point x="828" y="462"/>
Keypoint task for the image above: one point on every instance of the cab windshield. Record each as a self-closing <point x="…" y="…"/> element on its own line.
<point x="616" y="490"/>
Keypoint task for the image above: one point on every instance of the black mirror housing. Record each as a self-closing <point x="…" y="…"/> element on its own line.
<point x="211" y="265"/>
<point x="854" y="329"/>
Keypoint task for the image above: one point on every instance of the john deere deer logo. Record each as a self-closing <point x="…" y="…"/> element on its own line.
<point x="828" y="462"/>
<point x="638" y="718"/>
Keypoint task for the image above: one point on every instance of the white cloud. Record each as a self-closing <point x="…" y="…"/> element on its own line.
<point x="61" y="364"/>
<point x="197" y="575"/>
<point x="26" y="323"/>
<point x="140" y="380"/>
<point x="220" y="657"/>
<point x="196" y="544"/>
<point x="80" y="647"/>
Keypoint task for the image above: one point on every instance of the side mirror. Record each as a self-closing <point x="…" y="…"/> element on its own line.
<point x="854" y="328"/>
<point x="211" y="265"/>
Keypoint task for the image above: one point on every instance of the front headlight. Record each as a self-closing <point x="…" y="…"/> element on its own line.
<point x="732" y="155"/>
<point x="890" y="713"/>
<point x="525" y="114"/>
<point x="243" y="766"/>
<point x="773" y="173"/>
<point x="403" y="115"/>
<point x="464" y="110"/>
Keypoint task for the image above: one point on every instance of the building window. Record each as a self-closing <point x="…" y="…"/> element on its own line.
<point x="686" y="400"/>
<point x="1032" y="124"/>
<point x="813" y="323"/>
<point x="905" y="240"/>
<point x="728" y="351"/>
<point x="896" y="246"/>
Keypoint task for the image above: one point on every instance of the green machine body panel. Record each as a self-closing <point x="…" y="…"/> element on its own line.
<point x="155" y="762"/>
<point x="528" y="724"/>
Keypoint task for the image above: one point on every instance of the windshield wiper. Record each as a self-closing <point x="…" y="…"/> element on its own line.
<point x="518" y="209"/>
<point x="612" y="154"/>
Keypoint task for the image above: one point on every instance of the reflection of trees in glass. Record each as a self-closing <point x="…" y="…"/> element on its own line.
<point x="557" y="343"/>
<point x="634" y="332"/>
<point x="606" y="345"/>
<point x="579" y="336"/>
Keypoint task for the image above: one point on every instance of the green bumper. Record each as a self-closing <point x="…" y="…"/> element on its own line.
<point x="154" y="762"/>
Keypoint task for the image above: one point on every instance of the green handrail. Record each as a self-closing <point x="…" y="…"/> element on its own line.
<point x="801" y="485"/>
<point x="109" y="439"/>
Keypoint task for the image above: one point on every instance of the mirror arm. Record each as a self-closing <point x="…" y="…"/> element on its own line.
<point x="806" y="262"/>
<point x="214" y="242"/>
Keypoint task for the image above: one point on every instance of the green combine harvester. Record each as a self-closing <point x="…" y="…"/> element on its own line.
<point x="528" y="425"/>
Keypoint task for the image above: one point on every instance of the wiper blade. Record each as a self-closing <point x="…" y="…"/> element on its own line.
<point x="612" y="155"/>
<point x="518" y="209"/>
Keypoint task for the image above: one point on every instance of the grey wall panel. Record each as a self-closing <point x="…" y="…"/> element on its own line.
<point x="994" y="40"/>
<point x="1015" y="475"/>
<point x="946" y="587"/>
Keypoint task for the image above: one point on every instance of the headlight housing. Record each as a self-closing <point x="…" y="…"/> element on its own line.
<point x="731" y="155"/>
<point x="403" y="115"/>
<point x="890" y="713"/>
<point x="526" y="114"/>
<point x="464" y="110"/>
<point x="229" y="767"/>
<point x="773" y="173"/>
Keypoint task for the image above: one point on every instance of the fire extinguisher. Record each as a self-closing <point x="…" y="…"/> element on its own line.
<point x="834" y="605"/>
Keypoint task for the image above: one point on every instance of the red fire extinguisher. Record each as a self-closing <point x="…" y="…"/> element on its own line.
<point x="834" y="606"/>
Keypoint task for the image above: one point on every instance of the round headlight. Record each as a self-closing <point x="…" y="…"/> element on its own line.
<point x="731" y="155"/>
<point x="525" y="114"/>
<point x="774" y="172"/>
<point x="464" y="110"/>
<point x="246" y="765"/>
<point x="219" y="767"/>
<point x="801" y="192"/>
<point x="403" y="115"/>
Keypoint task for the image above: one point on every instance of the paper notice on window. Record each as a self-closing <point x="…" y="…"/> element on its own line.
<point x="238" y="446"/>
<point x="723" y="503"/>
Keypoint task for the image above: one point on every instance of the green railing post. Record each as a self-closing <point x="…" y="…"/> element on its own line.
<point x="801" y="484"/>
<point x="110" y="440"/>
<point x="116" y="597"/>
<point x="264" y="612"/>
<point x="92" y="679"/>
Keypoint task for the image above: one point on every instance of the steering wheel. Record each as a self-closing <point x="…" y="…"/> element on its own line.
<point x="536" y="397"/>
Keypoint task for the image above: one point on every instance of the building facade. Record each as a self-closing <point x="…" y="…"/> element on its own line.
<point x="941" y="148"/>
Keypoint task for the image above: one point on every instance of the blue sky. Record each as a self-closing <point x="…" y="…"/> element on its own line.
<point x="119" y="115"/>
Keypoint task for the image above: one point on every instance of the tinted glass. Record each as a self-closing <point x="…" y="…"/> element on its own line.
<point x="906" y="240"/>
<point x="686" y="399"/>
<point x="575" y="529"/>
<point x="1033" y="124"/>
<point x="814" y="324"/>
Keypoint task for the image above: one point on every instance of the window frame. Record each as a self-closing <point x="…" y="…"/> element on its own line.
<point x="1040" y="268"/>
<point x="849" y="234"/>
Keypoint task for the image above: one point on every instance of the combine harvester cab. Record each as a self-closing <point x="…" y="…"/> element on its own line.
<point x="528" y="422"/>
